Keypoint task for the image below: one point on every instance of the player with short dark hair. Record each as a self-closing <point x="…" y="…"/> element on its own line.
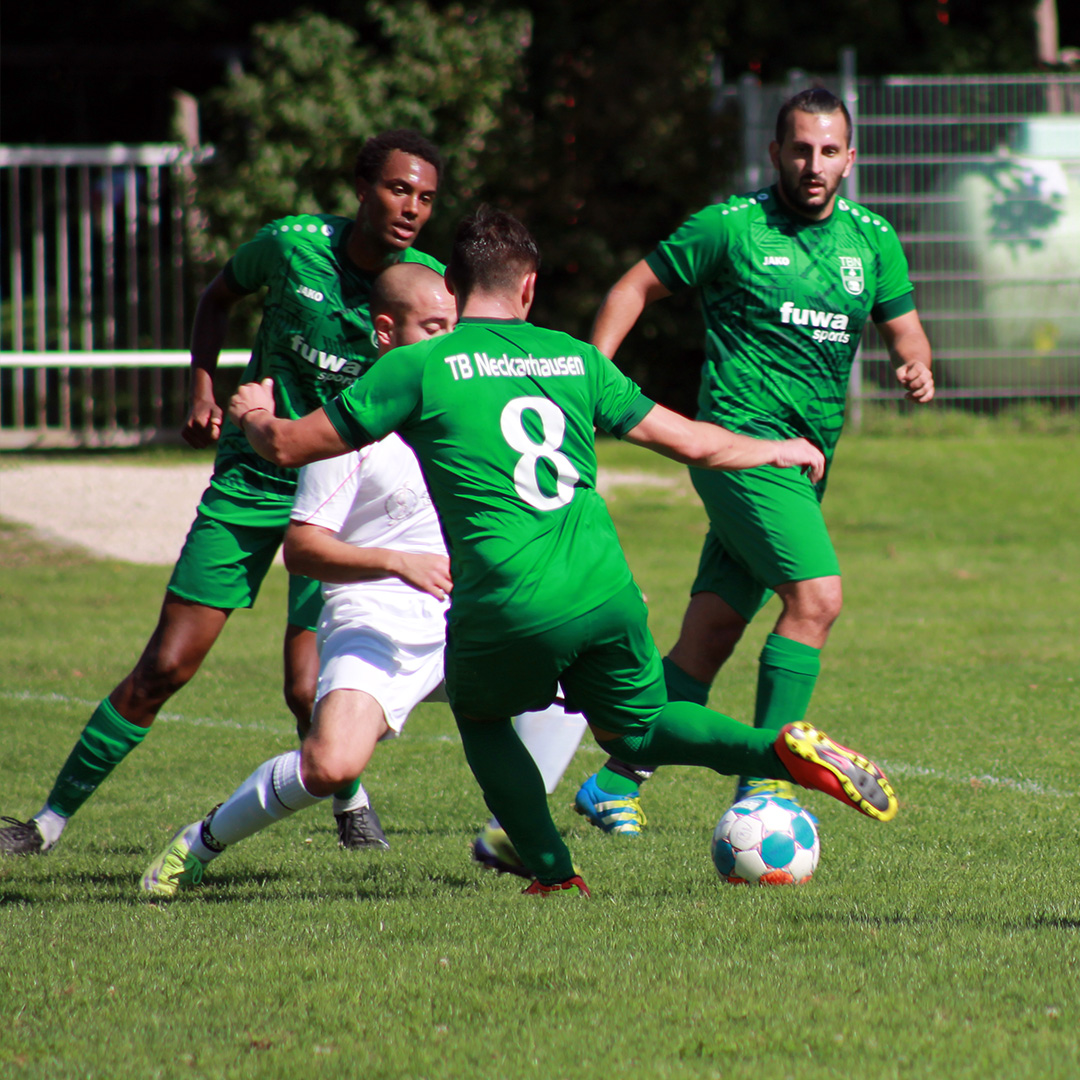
<point x="788" y="276"/>
<point x="501" y="416"/>
<point x="315" y="338"/>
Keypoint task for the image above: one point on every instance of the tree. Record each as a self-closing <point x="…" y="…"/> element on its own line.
<point x="286" y="130"/>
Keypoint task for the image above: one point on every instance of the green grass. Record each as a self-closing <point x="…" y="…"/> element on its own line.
<point x="944" y="944"/>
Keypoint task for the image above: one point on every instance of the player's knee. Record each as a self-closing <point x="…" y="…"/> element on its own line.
<point x="300" y="698"/>
<point x="160" y="674"/>
<point x="324" y="775"/>
<point x="819" y="602"/>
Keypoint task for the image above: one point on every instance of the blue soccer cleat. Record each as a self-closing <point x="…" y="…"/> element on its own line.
<point x="619" y="814"/>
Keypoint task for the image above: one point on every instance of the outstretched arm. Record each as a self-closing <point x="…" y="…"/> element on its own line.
<point x="317" y="553"/>
<point x="623" y="305"/>
<point x="710" y="446"/>
<point x="208" y="330"/>
<point x="290" y="443"/>
<point x="909" y="350"/>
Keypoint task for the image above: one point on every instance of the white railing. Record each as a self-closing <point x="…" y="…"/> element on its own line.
<point x="95" y="286"/>
<point x="96" y="398"/>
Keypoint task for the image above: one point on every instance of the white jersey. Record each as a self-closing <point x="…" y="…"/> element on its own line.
<point x="376" y="497"/>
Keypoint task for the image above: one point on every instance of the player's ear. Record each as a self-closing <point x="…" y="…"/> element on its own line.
<point x="774" y="154"/>
<point x="384" y="332"/>
<point x="528" y="290"/>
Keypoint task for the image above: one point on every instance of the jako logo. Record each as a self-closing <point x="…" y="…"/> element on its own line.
<point x="311" y="294"/>
<point x="777" y="260"/>
<point x="832" y="325"/>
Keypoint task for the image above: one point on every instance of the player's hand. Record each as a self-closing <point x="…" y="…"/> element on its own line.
<point x="251" y="396"/>
<point x="918" y="380"/>
<point x="800" y="454"/>
<point x="203" y="425"/>
<point x="423" y="571"/>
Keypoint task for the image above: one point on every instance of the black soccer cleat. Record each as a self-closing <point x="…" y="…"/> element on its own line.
<point x="21" y="838"/>
<point x="360" y="830"/>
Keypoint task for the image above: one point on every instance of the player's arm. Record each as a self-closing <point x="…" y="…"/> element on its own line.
<point x="315" y="552"/>
<point x="623" y="305"/>
<point x="909" y="351"/>
<point x="289" y="443"/>
<point x="710" y="446"/>
<point x="208" y="330"/>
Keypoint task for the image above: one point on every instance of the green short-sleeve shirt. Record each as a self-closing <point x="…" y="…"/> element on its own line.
<point x="501" y="415"/>
<point x="784" y="300"/>
<point x="315" y="338"/>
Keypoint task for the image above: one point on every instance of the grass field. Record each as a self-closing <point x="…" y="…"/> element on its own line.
<point x="944" y="944"/>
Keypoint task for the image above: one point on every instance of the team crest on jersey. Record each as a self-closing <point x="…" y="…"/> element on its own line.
<point x="851" y="273"/>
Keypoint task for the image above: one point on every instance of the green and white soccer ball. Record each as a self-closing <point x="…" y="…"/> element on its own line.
<point x="766" y="840"/>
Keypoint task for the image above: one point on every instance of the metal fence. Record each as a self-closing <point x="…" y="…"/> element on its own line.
<point x="94" y="284"/>
<point x="980" y="175"/>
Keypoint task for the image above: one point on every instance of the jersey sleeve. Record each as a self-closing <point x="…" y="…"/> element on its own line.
<point x="382" y="400"/>
<point x="692" y="254"/>
<point x="252" y="263"/>
<point x="620" y="404"/>
<point x="326" y="490"/>
<point x="895" y="293"/>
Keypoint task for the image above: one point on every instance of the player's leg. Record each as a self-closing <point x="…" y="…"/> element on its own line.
<point x="551" y="736"/>
<point x="711" y="629"/>
<point x="345" y="728"/>
<point x="220" y="568"/>
<point x="487" y="683"/>
<point x="357" y="823"/>
<point x="619" y="684"/>
<point x="184" y="634"/>
<point x="514" y="792"/>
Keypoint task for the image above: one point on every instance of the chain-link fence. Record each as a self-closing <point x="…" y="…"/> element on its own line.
<point x="980" y="175"/>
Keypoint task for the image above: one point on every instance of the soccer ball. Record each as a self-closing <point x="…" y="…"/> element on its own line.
<point x="765" y="840"/>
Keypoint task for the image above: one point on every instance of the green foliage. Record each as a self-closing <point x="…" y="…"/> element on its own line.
<point x="943" y="944"/>
<point x="287" y="129"/>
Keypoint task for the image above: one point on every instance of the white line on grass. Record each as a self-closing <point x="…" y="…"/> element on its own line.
<point x="892" y="768"/>
<point x="922" y="772"/>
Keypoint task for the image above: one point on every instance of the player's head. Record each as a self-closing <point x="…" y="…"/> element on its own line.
<point x="812" y="152"/>
<point x="494" y="254"/>
<point x="409" y="303"/>
<point x="397" y="177"/>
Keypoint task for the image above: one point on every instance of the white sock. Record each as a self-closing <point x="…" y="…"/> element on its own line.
<point x="359" y="800"/>
<point x="50" y="824"/>
<point x="552" y="737"/>
<point x="272" y="792"/>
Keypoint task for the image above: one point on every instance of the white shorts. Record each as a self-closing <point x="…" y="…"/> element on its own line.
<point x="357" y="653"/>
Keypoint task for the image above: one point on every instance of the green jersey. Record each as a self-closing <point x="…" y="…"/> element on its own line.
<point x="315" y="338"/>
<point x="784" y="300"/>
<point x="501" y="416"/>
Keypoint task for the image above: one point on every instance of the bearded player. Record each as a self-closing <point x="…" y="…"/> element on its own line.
<point x="788" y="276"/>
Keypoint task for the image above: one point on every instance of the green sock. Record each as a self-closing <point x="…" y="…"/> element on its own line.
<point x="688" y="734"/>
<point x="683" y="687"/>
<point x="613" y="783"/>
<point x="787" y="674"/>
<point x="680" y="687"/>
<point x="514" y="792"/>
<point x="348" y="791"/>
<point x="105" y="741"/>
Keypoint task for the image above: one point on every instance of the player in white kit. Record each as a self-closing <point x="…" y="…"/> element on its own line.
<point x="364" y="524"/>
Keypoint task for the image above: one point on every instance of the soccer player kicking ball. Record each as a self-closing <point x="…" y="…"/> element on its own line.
<point x="788" y="277"/>
<point x="364" y="525"/>
<point x="501" y="416"/>
<point x="316" y="334"/>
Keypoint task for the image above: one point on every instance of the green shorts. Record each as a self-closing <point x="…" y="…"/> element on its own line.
<point x="765" y="528"/>
<point x="224" y="560"/>
<point x="605" y="660"/>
